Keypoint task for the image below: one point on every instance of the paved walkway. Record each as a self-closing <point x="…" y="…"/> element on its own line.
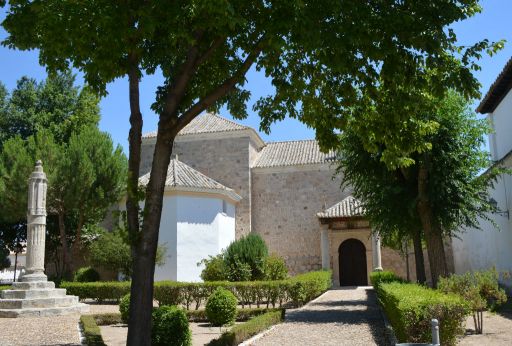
<point x="348" y="316"/>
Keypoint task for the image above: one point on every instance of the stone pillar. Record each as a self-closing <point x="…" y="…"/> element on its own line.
<point x="325" y="248"/>
<point x="36" y="225"/>
<point x="377" y="261"/>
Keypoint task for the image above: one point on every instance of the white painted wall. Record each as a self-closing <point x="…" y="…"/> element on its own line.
<point x="479" y="250"/>
<point x="502" y="124"/>
<point x="193" y="228"/>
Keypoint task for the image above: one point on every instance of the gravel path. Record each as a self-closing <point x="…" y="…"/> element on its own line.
<point x="55" y="330"/>
<point x="338" y="317"/>
<point x="497" y="329"/>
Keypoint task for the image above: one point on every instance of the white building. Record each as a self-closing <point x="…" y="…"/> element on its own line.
<point x="198" y="220"/>
<point x="476" y="250"/>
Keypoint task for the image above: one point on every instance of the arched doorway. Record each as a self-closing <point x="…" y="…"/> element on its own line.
<point x="352" y="260"/>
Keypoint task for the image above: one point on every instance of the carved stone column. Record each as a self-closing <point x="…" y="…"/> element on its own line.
<point x="377" y="261"/>
<point x="36" y="225"/>
<point x="325" y="248"/>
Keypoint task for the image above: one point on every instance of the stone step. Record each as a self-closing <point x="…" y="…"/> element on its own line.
<point x="32" y="294"/>
<point x="35" y="285"/>
<point x="54" y="302"/>
<point x="40" y="312"/>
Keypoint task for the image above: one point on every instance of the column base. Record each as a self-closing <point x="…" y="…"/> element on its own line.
<point x="33" y="277"/>
<point x="378" y="269"/>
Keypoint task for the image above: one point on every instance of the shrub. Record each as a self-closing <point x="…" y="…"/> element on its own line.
<point x="124" y="308"/>
<point x="86" y="274"/>
<point x="251" y="250"/>
<point x="411" y="307"/>
<point x="244" y="331"/>
<point x="238" y="271"/>
<point x="305" y="287"/>
<point x="100" y="291"/>
<point x="111" y="250"/>
<point x="376" y="278"/>
<point x="92" y="332"/>
<point x="107" y="319"/>
<point x="481" y="289"/>
<point x="170" y="327"/>
<point x="297" y="290"/>
<point x="275" y="268"/>
<point x="214" y="268"/>
<point x="221" y="307"/>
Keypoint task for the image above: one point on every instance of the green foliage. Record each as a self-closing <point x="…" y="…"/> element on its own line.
<point x="244" y="254"/>
<point x="86" y="274"/>
<point x="480" y="288"/>
<point x="124" y="308"/>
<point x="170" y="327"/>
<point x="244" y="331"/>
<point x="55" y="104"/>
<point x="275" y="268"/>
<point x="378" y="278"/>
<point x="214" y="268"/>
<point x="100" y="291"/>
<point x="410" y="309"/>
<point x="85" y="178"/>
<point x="92" y="332"/>
<point x="296" y="290"/>
<point x="221" y="307"/>
<point x="305" y="287"/>
<point x="111" y="250"/>
<point x="4" y="287"/>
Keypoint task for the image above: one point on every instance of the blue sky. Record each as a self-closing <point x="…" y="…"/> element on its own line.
<point x="493" y="23"/>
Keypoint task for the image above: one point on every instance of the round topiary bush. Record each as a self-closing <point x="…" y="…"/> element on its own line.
<point x="124" y="308"/>
<point x="221" y="307"/>
<point x="86" y="274"/>
<point x="170" y="327"/>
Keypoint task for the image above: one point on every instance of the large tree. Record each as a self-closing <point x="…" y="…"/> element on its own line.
<point x="439" y="192"/>
<point x="319" y="56"/>
<point x="85" y="177"/>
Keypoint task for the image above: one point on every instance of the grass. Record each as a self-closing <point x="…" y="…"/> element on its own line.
<point x="246" y="330"/>
<point x="92" y="332"/>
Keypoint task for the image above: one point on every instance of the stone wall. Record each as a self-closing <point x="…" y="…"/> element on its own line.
<point x="226" y="160"/>
<point x="284" y="207"/>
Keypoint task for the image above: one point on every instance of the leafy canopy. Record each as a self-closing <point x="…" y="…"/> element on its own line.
<point x="320" y="57"/>
<point x="457" y="190"/>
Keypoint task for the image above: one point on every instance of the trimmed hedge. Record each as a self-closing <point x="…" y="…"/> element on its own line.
<point x="242" y="315"/>
<point x="100" y="291"/>
<point x="221" y="307"/>
<point x="410" y="309"/>
<point x="86" y="274"/>
<point x="92" y="332"/>
<point x="244" y="331"/>
<point x="376" y="278"/>
<point x="170" y="327"/>
<point x="296" y="290"/>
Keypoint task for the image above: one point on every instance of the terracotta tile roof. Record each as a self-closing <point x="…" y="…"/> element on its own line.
<point x="206" y="123"/>
<point x="182" y="177"/>
<point x="292" y="153"/>
<point x="348" y="207"/>
<point x="497" y="91"/>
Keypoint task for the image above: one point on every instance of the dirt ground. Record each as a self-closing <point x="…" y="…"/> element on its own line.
<point x="497" y="330"/>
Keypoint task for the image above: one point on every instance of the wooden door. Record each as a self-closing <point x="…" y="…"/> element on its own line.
<point x="352" y="260"/>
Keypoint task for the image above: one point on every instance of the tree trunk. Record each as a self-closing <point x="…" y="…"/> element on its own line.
<point x="421" y="277"/>
<point x="144" y="260"/>
<point x="433" y="236"/>
<point x="66" y="258"/>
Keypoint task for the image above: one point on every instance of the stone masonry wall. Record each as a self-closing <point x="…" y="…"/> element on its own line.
<point x="284" y="207"/>
<point x="225" y="160"/>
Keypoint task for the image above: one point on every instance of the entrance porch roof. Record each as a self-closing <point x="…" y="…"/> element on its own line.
<point x="348" y="208"/>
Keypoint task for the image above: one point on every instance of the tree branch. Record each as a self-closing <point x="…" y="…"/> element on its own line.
<point x="177" y="89"/>
<point x="218" y="93"/>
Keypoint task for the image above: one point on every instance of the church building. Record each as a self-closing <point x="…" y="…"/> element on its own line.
<point x="224" y="182"/>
